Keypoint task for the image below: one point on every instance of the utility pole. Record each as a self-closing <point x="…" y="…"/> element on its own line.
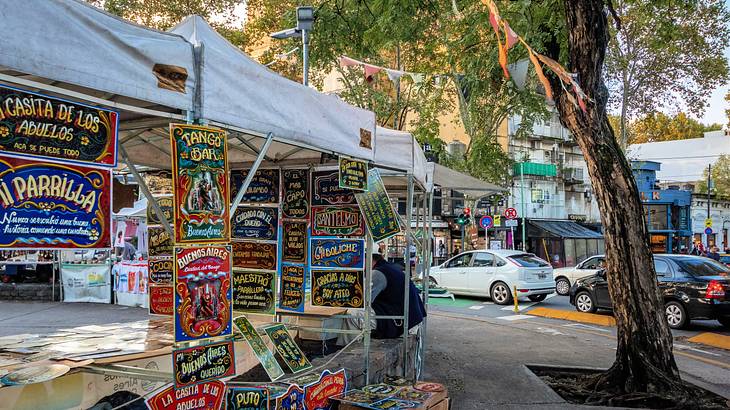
<point x="709" y="187"/>
<point x="522" y="204"/>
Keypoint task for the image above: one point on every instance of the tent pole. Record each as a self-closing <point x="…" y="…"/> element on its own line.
<point x="251" y="172"/>
<point x="146" y="192"/>
<point x="368" y="303"/>
<point x="407" y="282"/>
<point x="427" y="277"/>
<point x="252" y="147"/>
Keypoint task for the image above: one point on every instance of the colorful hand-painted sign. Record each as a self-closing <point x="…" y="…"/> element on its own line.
<point x="263" y="189"/>
<point x="376" y="208"/>
<point x="288" y="350"/>
<point x="337" y="221"/>
<point x="198" y="364"/>
<point x="165" y="203"/>
<point x="295" y="202"/>
<point x="317" y="396"/>
<point x="292" y="399"/>
<point x="266" y="358"/>
<point x="202" y="292"/>
<point x="200" y="179"/>
<point x="353" y="174"/>
<point x="204" y="396"/>
<point x="44" y="205"/>
<point x="254" y="255"/>
<point x="358" y="398"/>
<point x="158" y="182"/>
<point x="159" y="242"/>
<point x="396" y="404"/>
<point x="326" y="189"/>
<point x="333" y="288"/>
<point x="291" y="287"/>
<point x="255" y="223"/>
<point x="162" y="300"/>
<point x="160" y="271"/>
<point x="294" y="242"/>
<point x="254" y="292"/>
<point x="247" y="398"/>
<point x="36" y="125"/>
<point x="337" y="253"/>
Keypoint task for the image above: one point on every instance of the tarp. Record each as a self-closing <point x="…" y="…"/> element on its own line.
<point x="447" y="178"/>
<point x="138" y="210"/>
<point x="566" y="229"/>
<point x="399" y="149"/>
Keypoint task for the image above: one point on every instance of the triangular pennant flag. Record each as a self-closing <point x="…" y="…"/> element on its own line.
<point x="394" y="75"/>
<point x="417" y="78"/>
<point x="540" y="75"/>
<point x="509" y="34"/>
<point x="518" y="71"/>
<point x="370" y="71"/>
<point x="348" y="62"/>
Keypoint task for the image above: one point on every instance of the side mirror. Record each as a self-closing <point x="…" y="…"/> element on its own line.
<point x="602" y="273"/>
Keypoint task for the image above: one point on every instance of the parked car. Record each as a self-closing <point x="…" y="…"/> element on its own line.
<point x="725" y="259"/>
<point x="493" y="274"/>
<point x="565" y="277"/>
<point x="693" y="287"/>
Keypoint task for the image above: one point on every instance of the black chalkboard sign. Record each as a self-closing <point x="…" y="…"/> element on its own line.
<point x="292" y="288"/>
<point x="294" y="242"/>
<point x="353" y="174"/>
<point x="254" y="255"/>
<point x="159" y="242"/>
<point x="326" y="189"/>
<point x="255" y="223"/>
<point x="254" y="291"/>
<point x="263" y="189"/>
<point x="335" y="288"/>
<point x="160" y="271"/>
<point x="165" y="203"/>
<point x="197" y="364"/>
<point x="295" y="201"/>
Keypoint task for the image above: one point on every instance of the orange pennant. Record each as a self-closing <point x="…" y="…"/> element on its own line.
<point x="541" y="75"/>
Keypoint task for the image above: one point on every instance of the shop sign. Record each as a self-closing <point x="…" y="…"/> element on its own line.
<point x="158" y="182"/>
<point x="295" y="203"/>
<point x="159" y="242"/>
<point x="255" y="223"/>
<point x="198" y="364"/>
<point x="254" y="292"/>
<point x="39" y="126"/>
<point x="380" y="217"/>
<point x="353" y="174"/>
<point x="337" y="221"/>
<point x="247" y="398"/>
<point x="202" y="292"/>
<point x="288" y="350"/>
<point x="254" y="255"/>
<point x="205" y="396"/>
<point x="44" y="205"/>
<point x="337" y="253"/>
<point x="162" y="300"/>
<point x="327" y="191"/>
<point x="317" y="396"/>
<point x="293" y="399"/>
<point x="577" y="217"/>
<point x="263" y="189"/>
<point x="200" y="180"/>
<point x="160" y="271"/>
<point x="263" y="354"/>
<point x="292" y="288"/>
<point x="333" y="288"/>
<point x="165" y="203"/>
<point x="294" y="242"/>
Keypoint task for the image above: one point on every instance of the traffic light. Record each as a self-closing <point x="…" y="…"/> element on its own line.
<point x="461" y="219"/>
<point x="467" y="212"/>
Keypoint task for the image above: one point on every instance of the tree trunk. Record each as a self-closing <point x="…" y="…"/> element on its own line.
<point x="644" y="358"/>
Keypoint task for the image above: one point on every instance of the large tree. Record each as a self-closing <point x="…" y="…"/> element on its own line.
<point x="720" y="178"/>
<point x="163" y="14"/>
<point x="657" y="126"/>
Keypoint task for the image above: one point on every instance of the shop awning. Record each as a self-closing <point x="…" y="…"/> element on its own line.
<point x="447" y="178"/>
<point x="399" y="150"/>
<point x="566" y="229"/>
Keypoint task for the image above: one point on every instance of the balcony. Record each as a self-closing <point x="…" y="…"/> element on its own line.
<point x="572" y="176"/>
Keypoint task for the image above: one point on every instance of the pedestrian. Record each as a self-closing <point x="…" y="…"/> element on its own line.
<point x="714" y="253"/>
<point x="442" y="250"/>
<point x="456" y="251"/>
<point x="696" y="246"/>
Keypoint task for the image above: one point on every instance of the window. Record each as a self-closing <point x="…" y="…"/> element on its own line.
<point x="500" y="261"/>
<point x="658" y="217"/>
<point x="662" y="269"/>
<point x="594" y="263"/>
<point x="460" y="261"/>
<point x="569" y="246"/>
<point x="699" y="266"/>
<point x="528" y="260"/>
<point x="482" y="259"/>
<point x="580" y="249"/>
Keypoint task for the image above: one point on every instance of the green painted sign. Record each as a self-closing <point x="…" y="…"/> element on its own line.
<point x="266" y="358"/>
<point x="380" y="217"/>
<point x="292" y="355"/>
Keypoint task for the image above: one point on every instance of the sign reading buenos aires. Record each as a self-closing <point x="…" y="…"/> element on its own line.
<point x="37" y="125"/>
<point x="45" y="205"/>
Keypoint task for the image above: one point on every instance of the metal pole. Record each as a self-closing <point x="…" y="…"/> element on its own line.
<point x="407" y="282"/>
<point x="305" y="58"/>
<point x="709" y="182"/>
<point x="427" y="280"/>
<point x="368" y="303"/>
<point x="251" y="172"/>
<point x="522" y="201"/>
<point x="397" y="87"/>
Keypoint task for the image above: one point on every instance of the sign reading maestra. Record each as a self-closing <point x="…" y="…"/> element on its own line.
<point x="44" y="205"/>
<point x="200" y="180"/>
<point x="36" y="125"/>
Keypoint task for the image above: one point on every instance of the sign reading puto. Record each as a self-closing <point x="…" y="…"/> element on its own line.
<point x="336" y="288"/>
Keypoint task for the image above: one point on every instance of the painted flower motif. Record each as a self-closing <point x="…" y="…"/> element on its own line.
<point x="4" y="131"/>
<point x="93" y="234"/>
<point x="46" y="206"/>
<point x="84" y="140"/>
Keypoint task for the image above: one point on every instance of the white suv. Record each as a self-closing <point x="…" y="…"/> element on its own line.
<point x="566" y="277"/>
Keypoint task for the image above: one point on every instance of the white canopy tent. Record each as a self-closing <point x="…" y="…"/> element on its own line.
<point x="447" y="178"/>
<point x="400" y="150"/>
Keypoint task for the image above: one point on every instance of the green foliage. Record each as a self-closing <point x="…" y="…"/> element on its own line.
<point x="164" y="14"/>
<point x="658" y="126"/>
<point x="720" y="178"/>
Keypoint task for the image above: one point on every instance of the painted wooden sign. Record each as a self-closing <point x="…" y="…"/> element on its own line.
<point x="263" y="189"/>
<point x="247" y="398"/>
<point x="197" y="364"/>
<point x="353" y="174"/>
<point x="254" y="255"/>
<point x="326" y="189"/>
<point x="204" y="396"/>
<point x="160" y="271"/>
<point x="162" y="300"/>
<point x="200" y="180"/>
<point x="263" y="354"/>
<point x="288" y="350"/>
<point x="165" y="203"/>
<point x="294" y="242"/>
<point x="337" y="221"/>
<point x="39" y="126"/>
<point x="380" y="217"/>
<point x="158" y="182"/>
<point x="292" y="399"/>
<point x="159" y="242"/>
<point x="335" y="288"/>
<point x="295" y="201"/>
<point x="202" y="292"/>
<point x="291" y="287"/>
<point x="254" y="292"/>
<point x="52" y="206"/>
<point x="255" y="223"/>
<point x="337" y="253"/>
<point x="317" y="396"/>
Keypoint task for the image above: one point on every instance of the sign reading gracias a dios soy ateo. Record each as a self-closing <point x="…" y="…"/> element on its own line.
<point x="337" y="288"/>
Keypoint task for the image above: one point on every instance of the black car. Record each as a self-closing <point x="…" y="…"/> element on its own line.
<point x="694" y="287"/>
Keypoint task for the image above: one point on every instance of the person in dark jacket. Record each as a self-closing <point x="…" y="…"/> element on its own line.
<point x="390" y="300"/>
<point x="714" y="253"/>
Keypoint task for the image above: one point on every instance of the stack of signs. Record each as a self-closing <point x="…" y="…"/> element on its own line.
<point x="384" y="396"/>
<point x="159" y="251"/>
<point x="262" y="353"/>
<point x="61" y="196"/>
<point x="162" y="300"/>
<point x="376" y="208"/>
<point x="293" y="244"/>
<point x="336" y="250"/>
<point x="255" y="231"/>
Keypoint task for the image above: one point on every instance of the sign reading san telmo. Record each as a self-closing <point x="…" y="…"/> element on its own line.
<point x="37" y="125"/>
<point x="45" y="205"/>
<point x="333" y="221"/>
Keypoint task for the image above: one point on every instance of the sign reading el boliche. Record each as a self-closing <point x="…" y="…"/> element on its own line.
<point x="40" y="126"/>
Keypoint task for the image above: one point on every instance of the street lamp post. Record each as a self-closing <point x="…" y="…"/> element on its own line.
<point x="305" y="21"/>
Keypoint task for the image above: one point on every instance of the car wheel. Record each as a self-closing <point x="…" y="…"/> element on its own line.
<point x="537" y="298"/>
<point x="676" y="315"/>
<point x="725" y="321"/>
<point x="562" y="286"/>
<point x="584" y="302"/>
<point x="501" y="294"/>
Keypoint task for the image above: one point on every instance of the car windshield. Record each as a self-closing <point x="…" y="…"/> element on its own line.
<point x="702" y="266"/>
<point x="529" y="260"/>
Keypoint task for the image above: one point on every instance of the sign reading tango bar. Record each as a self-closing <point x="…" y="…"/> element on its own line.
<point x="36" y="125"/>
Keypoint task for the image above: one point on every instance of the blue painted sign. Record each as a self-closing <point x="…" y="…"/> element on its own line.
<point x="255" y="223"/>
<point x="708" y="231"/>
<point x="263" y="189"/>
<point x="337" y="253"/>
<point x="486" y="222"/>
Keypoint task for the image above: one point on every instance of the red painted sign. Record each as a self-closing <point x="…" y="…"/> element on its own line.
<point x="510" y="213"/>
<point x="204" y="396"/>
<point x="317" y="395"/>
<point x="162" y="300"/>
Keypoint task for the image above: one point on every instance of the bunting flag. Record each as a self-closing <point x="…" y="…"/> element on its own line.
<point x="371" y="69"/>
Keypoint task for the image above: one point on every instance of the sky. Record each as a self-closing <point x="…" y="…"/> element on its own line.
<point x="715" y="112"/>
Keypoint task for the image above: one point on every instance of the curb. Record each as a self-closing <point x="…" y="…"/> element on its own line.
<point x="712" y="339"/>
<point x="591" y="318"/>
